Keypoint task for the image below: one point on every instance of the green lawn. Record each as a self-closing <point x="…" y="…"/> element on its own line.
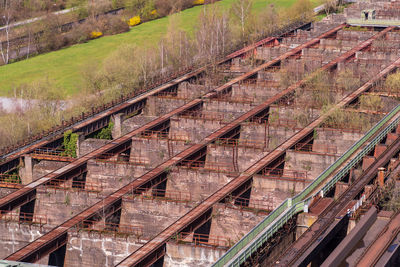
<point x="64" y="66"/>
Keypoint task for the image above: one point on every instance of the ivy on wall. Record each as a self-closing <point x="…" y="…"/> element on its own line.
<point x="70" y="144"/>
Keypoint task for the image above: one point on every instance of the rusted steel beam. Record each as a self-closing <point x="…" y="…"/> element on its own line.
<point x="296" y="254"/>
<point x="146" y="250"/>
<point x="60" y="230"/>
<point x="127" y="138"/>
<point x="12" y="161"/>
<point x="375" y="251"/>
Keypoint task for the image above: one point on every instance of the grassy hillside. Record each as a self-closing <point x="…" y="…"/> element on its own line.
<point x="64" y="66"/>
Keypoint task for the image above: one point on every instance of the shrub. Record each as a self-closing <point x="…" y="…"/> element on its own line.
<point x="105" y="133"/>
<point x="115" y="25"/>
<point x="95" y="34"/>
<point x="392" y="83"/>
<point x="371" y="102"/>
<point x="198" y="2"/>
<point x="70" y="144"/>
<point x="154" y="13"/>
<point x="134" y="21"/>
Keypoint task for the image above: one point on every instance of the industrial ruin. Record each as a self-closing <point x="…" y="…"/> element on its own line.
<point x="280" y="156"/>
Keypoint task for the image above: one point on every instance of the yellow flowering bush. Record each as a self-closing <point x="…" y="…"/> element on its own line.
<point x="154" y="12"/>
<point x="134" y="21"/>
<point x="95" y="34"/>
<point x="198" y="2"/>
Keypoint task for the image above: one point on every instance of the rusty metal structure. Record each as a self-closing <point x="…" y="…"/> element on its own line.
<point x="201" y="160"/>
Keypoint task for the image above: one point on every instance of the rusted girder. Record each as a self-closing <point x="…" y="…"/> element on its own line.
<point x="127" y="138"/>
<point x="30" y="248"/>
<point x="153" y="173"/>
<point x="296" y="254"/>
<point x="102" y="119"/>
<point x="152" y="245"/>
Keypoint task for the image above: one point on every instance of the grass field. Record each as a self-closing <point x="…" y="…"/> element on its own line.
<point x="64" y="66"/>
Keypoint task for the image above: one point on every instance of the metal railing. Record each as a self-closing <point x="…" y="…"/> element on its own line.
<point x="277" y="218"/>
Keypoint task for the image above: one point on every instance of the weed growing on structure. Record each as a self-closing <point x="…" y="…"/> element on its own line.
<point x="67" y="200"/>
<point x="346" y="80"/>
<point x="371" y="102"/>
<point x="390" y="199"/>
<point x="70" y="144"/>
<point x="105" y="133"/>
<point x="392" y="83"/>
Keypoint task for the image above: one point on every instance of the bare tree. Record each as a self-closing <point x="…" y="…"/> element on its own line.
<point x="329" y="6"/>
<point x="241" y="10"/>
<point x="6" y="15"/>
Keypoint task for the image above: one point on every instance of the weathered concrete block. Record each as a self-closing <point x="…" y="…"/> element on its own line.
<point x="263" y="136"/>
<point x="233" y="158"/>
<point x="390" y="138"/>
<point x="157" y="106"/>
<point x="152" y="216"/>
<point x="340" y="187"/>
<point x="154" y="151"/>
<point x="367" y="161"/>
<point x="90" y="145"/>
<point x="95" y="249"/>
<point x="314" y="164"/>
<point x="15" y="236"/>
<point x="60" y="205"/>
<point x="232" y="224"/>
<point x="44" y="167"/>
<point x="188" y="255"/>
<point x="193" y="130"/>
<point x="200" y="183"/>
<point x="134" y="123"/>
<point x="111" y="176"/>
<point x="342" y="140"/>
<point x="379" y="149"/>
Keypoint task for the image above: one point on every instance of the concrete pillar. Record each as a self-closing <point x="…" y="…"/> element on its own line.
<point x="340" y="189"/>
<point x="379" y="149"/>
<point x="367" y="161"/>
<point x="81" y="138"/>
<point x="27" y="176"/>
<point x="381" y="176"/>
<point x="117" y="130"/>
<point x="391" y="137"/>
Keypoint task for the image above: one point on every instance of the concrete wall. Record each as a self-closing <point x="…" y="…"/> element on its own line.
<point x="272" y="136"/>
<point x="314" y="164"/>
<point x="6" y="191"/>
<point x="44" y="167"/>
<point x="98" y="249"/>
<point x="224" y="155"/>
<point x="200" y="184"/>
<point x="60" y="205"/>
<point x="90" y="145"/>
<point x="269" y="53"/>
<point x="154" y="151"/>
<point x="193" y="130"/>
<point x="153" y="215"/>
<point x="232" y="224"/>
<point x="190" y="91"/>
<point x="157" y="106"/>
<point x="273" y="191"/>
<point x="15" y="236"/>
<point x="230" y="110"/>
<point x="135" y="122"/>
<point x="259" y="92"/>
<point x="112" y="176"/>
<point x="303" y="116"/>
<point x="342" y="140"/>
<point x="187" y="255"/>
